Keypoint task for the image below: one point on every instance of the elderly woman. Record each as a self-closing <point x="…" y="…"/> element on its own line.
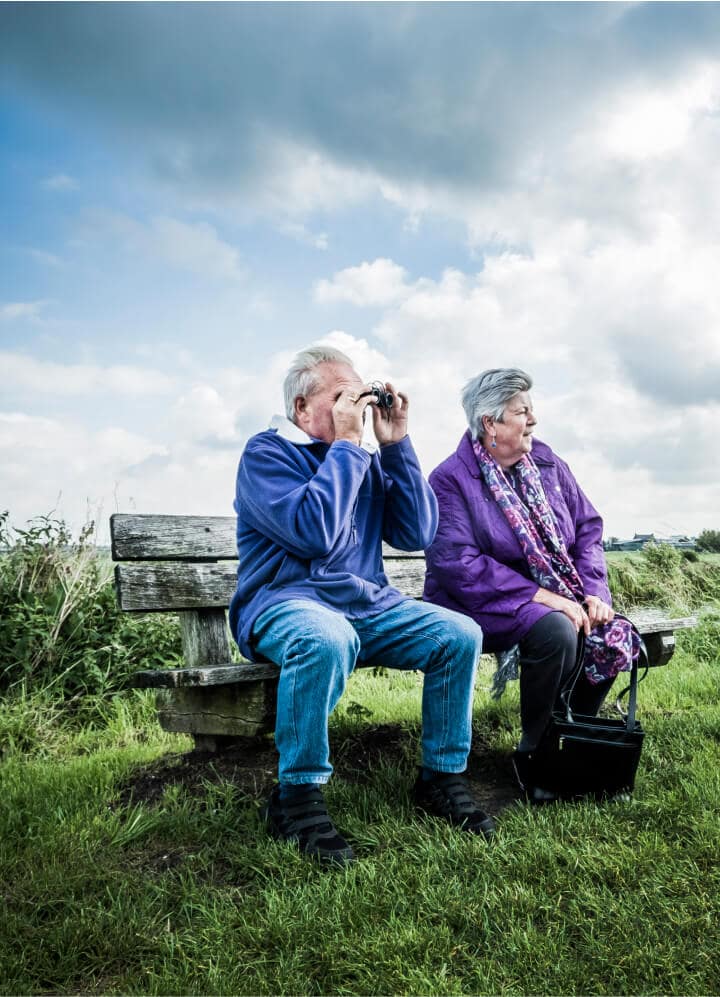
<point x="519" y="549"/>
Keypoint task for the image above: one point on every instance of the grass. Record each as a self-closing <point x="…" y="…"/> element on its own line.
<point x="188" y="895"/>
<point x="662" y="577"/>
<point x="180" y="890"/>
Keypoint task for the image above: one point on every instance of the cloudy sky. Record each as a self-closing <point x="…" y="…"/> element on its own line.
<point x="190" y="193"/>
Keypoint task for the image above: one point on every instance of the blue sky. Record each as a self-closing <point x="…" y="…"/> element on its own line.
<point x="190" y="193"/>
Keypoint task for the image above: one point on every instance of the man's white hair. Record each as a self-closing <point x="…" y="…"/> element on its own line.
<point x="488" y="394"/>
<point x="302" y="378"/>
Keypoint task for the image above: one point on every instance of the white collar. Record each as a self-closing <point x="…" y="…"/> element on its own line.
<point x="293" y="434"/>
<point x="289" y="431"/>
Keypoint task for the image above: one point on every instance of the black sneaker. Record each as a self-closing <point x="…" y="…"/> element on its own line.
<point x="448" y="795"/>
<point x="304" y="819"/>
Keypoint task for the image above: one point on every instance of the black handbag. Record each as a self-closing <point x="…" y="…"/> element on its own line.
<point x="583" y="756"/>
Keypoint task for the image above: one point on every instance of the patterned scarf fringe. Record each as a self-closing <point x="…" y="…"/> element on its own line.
<point x="508" y="670"/>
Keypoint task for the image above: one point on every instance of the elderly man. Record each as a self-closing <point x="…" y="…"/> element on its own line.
<point x="314" y="504"/>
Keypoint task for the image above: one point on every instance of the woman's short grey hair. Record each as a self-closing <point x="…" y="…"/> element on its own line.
<point x="302" y="377"/>
<point x="488" y="394"/>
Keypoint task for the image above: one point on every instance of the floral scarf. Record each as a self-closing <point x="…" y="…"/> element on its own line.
<point x="611" y="647"/>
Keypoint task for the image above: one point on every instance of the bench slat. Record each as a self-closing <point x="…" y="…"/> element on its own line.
<point x="227" y="674"/>
<point x="186" y="538"/>
<point x="173" y="538"/>
<point x="168" y="585"/>
<point x="161" y="586"/>
<point x="656" y="623"/>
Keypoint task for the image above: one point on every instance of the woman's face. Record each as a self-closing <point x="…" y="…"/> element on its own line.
<point x="513" y="436"/>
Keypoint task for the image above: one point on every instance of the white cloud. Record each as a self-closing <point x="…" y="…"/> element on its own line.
<point x="379" y="283"/>
<point x="21" y="310"/>
<point x="369" y="362"/>
<point x="193" y="247"/>
<point x="203" y="412"/>
<point x="120" y="448"/>
<point x="632" y="161"/>
<point x="658" y="122"/>
<point x="588" y="191"/>
<point x="47" y="259"/>
<point x="185" y="462"/>
<point x="27" y="376"/>
<point x="593" y="330"/>
<point x="197" y="248"/>
<point x="297" y="180"/>
<point x="43" y="458"/>
<point x="60" y="182"/>
<point x="301" y="233"/>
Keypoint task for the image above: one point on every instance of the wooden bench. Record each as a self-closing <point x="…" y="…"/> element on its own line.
<point x="188" y="565"/>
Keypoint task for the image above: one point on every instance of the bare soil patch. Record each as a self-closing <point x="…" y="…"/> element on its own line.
<point x="250" y="765"/>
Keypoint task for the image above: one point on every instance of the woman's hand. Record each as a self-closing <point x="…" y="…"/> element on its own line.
<point x="573" y="610"/>
<point x="598" y="611"/>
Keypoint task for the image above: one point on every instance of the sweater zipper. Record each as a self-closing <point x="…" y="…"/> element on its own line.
<point x="353" y="525"/>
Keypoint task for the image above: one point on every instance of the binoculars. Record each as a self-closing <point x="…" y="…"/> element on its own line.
<point x="383" y="399"/>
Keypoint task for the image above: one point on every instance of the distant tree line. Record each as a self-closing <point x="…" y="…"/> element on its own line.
<point x="709" y="540"/>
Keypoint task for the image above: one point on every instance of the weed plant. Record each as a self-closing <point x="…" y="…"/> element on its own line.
<point x="661" y="576"/>
<point x="64" y="641"/>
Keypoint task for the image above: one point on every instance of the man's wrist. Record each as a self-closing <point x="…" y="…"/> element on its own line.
<point x="390" y="443"/>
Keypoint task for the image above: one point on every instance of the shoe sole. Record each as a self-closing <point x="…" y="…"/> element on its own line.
<point x="486" y="829"/>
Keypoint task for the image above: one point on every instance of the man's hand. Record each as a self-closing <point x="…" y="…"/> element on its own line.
<point x="348" y="416"/>
<point x="598" y="611"/>
<point x="573" y="610"/>
<point x="390" y="426"/>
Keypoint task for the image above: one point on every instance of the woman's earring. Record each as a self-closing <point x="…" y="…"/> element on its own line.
<point x="494" y="443"/>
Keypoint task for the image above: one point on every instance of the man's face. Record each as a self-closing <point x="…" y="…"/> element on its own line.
<point x="314" y="413"/>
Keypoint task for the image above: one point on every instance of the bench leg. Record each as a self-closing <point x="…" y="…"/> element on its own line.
<point x="660" y="648"/>
<point x="243" y="709"/>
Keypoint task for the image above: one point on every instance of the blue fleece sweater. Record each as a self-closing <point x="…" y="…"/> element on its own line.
<point x="311" y="518"/>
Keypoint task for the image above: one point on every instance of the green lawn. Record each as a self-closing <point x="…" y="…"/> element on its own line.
<point x="186" y="894"/>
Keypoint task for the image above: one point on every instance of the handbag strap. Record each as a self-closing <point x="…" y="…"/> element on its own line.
<point x="569" y="686"/>
<point x="632" y="700"/>
<point x="634" y="682"/>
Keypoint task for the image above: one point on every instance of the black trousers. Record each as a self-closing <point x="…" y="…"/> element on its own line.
<point x="547" y="659"/>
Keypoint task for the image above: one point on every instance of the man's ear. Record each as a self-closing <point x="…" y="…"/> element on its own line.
<point x="299" y="408"/>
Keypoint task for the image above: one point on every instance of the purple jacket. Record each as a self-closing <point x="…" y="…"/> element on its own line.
<point x="475" y="564"/>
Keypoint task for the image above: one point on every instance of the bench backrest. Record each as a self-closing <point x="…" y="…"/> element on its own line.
<point x="190" y="562"/>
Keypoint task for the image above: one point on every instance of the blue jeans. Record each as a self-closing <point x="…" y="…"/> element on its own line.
<point x="317" y="650"/>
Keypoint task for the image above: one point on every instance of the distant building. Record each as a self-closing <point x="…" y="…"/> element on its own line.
<point x="681" y="541"/>
<point x="641" y="540"/>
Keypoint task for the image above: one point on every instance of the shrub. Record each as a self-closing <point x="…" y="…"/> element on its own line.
<point x="703" y="641"/>
<point x="709" y="540"/>
<point x="662" y="576"/>
<point x="662" y="558"/>
<point x="60" y="627"/>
